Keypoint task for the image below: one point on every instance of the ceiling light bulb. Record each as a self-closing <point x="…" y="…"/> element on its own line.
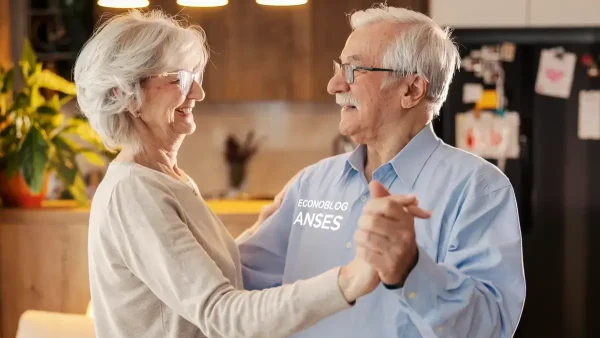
<point x="281" y="2"/>
<point x="123" y="3"/>
<point x="202" y="3"/>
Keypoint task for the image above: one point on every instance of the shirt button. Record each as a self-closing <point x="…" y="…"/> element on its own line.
<point x="412" y="295"/>
<point x="440" y="329"/>
<point x="348" y="245"/>
<point x="363" y="198"/>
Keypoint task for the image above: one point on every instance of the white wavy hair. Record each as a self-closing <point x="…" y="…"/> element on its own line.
<point x="420" y="47"/>
<point x="122" y="52"/>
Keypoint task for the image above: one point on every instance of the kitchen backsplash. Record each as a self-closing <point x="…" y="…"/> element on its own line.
<point x="295" y="135"/>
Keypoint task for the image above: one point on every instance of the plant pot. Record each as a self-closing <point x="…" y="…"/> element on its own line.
<point x="16" y="194"/>
<point x="237" y="179"/>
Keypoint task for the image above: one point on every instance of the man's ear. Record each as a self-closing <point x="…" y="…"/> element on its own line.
<point x="414" y="91"/>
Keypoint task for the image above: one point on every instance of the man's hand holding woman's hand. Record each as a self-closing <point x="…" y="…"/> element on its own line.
<point x="386" y="246"/>
<point x="385" y="236"/>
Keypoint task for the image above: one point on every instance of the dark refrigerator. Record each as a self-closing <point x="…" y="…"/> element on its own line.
<point x="556" y="179"/>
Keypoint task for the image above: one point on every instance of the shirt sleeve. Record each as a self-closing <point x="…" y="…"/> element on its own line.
<point x="263" y="253"/>
<point x="478" y="288"/>
<point x="160" y="250"/>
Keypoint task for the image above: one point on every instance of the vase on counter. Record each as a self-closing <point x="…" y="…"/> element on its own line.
<point x="237" y="180"/>
<point x="237" y="156"/>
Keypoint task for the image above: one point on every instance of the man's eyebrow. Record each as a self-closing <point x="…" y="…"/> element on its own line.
<point x="354" y="57"/>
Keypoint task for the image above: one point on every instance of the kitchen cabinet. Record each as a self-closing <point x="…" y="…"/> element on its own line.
<point x="4" y="33"/>
<point x="258" y="52"/>
<point x="560" y="13"/>
<point x="515" y="13"/>
<point x="277" y="53"/>
<point x="265" y="53"/>
<point x="479" y="13"/>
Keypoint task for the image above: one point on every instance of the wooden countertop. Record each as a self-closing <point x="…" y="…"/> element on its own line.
<point x="43" y="256"/>
<point x="78" y="214"/>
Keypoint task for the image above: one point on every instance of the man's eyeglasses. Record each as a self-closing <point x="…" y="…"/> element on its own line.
<point x="185" y="79"/>
<point x="348" y="70"/>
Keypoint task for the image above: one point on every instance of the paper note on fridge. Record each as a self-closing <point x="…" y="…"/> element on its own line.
<point x="589" y="115"/>
<point x="489" y="135"/>
<point x="555" y="73"/>
<point x="472" y="92"/>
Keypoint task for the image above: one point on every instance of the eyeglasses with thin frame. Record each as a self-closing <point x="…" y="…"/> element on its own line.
<point x="184" y="79"/>
<point x="348" y="70"/>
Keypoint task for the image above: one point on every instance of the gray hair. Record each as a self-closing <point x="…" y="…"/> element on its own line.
<point x="121" y="53"/>
<point x="420" y="47"/>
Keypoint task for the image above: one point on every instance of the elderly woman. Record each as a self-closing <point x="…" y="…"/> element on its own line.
<point x="161" y="263"/>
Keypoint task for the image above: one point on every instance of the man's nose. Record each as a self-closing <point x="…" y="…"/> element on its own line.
<point x="337" y="84"/>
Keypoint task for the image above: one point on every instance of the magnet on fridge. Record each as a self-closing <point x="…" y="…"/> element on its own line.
<point x="555" y="73"/>
<point x="559" y="52"/>
<point x="488" y="135"/>
<point x="488" y="100"/>
<point x="592" y="67"/>
<point x="467" y="64"/>
<point x="507" y="52"/>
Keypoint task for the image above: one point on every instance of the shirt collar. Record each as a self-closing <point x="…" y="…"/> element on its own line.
<point x="412" y="158"/>
<point x="408" y="163"/>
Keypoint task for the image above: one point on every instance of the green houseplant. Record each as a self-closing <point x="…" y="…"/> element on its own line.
<point x="36" y="139"/>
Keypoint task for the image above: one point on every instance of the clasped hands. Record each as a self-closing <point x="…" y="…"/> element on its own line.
<point x="385" y="237"/>
<point x="386" y="245"/>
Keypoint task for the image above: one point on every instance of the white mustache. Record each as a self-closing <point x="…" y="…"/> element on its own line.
<point x="345" y="99"/>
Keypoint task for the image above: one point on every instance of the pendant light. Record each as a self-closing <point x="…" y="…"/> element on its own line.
<point x="202" y="3"/>
<point x="281" y="2"/>
<point x="123" y="3"/>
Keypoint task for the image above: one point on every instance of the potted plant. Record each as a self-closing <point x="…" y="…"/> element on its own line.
<point x="237" y="156"/>
<point x="36" y="139"/>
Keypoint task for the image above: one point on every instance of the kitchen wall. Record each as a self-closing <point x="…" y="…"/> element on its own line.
<point x="295" y="135"/>
<point x="4" y="32"/>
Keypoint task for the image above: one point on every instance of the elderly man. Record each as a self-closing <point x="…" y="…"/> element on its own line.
<point x="455" y="271"/>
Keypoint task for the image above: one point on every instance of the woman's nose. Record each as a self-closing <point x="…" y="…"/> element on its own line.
<point x="196" y="92"/>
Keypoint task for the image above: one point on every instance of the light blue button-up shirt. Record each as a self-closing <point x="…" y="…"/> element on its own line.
<point x="468" y="281"/>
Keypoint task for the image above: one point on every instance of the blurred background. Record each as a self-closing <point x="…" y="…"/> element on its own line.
<point x="527" y="98"/>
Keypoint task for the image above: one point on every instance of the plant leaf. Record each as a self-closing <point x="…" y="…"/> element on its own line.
<point x="48" y="79"/>
<point x="25" y="69"/>
<point x="35" y="97"/>
<point x="9" y="80"/>
<point x="66" y="100"/>
<point x="46" y="110"/>
<point x="57" y="121"/>
<point x="77" y="190"/>
<point x="92" y="157"/>
<point x="33" y="159"/>
<point x="65" y="173"/>
<point x="84" y="131"/>
<point x="21" y="101"/>
<point x="10" y="163"/>
<point x="64" y="145"/>
<point x="8" y="140"/>
<point x="54" y="102"/>
<point x="49" y="118"/>
<point x="28" y="57"/>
